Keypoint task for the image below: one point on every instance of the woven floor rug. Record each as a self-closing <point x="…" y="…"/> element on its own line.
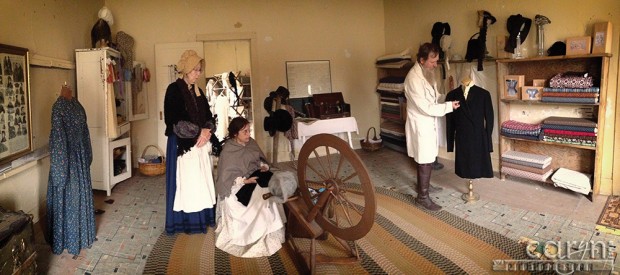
<point x="610" y="217"/>
<point x="404" y="240"/>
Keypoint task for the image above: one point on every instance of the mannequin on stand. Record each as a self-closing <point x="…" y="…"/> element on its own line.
<point x="70" y="208"/>
<point x="470" y="128"/>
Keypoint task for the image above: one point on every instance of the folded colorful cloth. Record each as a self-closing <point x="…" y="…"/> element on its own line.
<point x="575" y="121"/>
<point x="521" y="132"/>
<point x="526" y="174"/>
<point x="575" y="90"/>
<point x="512" y="124"/>
<point x="528" y="157"/>
<point x="526" y="163"/>
<point x="569" y="94"/>
<point x="570" y="128"/>
<point x="570" y="133"/>
<point x="526" y="168"/>
<point x="581" y="100"/>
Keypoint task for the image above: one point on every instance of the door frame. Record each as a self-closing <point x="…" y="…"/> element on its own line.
<point x="254" y="80"/>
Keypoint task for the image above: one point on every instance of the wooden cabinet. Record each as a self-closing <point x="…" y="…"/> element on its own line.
<point x="580" y="158"/>
<point x="104" y="95"/>
<point x="393" y="105"/>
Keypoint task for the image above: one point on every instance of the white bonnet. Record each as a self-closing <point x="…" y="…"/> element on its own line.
<point x="106" y="14"/>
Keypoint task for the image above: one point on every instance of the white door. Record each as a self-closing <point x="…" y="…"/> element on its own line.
<point x="166" y="57"/>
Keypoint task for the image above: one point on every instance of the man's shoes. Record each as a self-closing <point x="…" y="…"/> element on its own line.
<point x="437" y="165"/>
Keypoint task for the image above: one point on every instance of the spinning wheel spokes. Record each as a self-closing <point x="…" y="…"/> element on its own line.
<point x="349" y="210"/>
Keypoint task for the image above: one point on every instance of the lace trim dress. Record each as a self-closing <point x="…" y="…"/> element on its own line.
<point x="253" y="231"/>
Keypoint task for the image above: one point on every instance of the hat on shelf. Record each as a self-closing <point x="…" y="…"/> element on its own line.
<point x="189" y="60"/>
<point x="558" y="48"/>
<point x="280" y="120"/>
<point x="516" y="24"/>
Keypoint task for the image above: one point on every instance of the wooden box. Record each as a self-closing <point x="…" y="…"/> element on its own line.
<point x="578" y="45"/>
<point x="328" y="105"/>
<point x="531" y="93"/>
<point x="538" y="82"/>
<point x="512" y="86"/>
<point x="17" y="251"/>
<point x="601" y="36"/>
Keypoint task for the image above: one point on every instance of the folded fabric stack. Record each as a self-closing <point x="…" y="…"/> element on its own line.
<point x="396" y="61"/>
<point x="516" y="129"/>
<point x="391" y="85"/>
<point x="526" y="165"/>
<point x="572" y="180"/>
<point x="571" y="95"/>
<point x="393" y="135"/>
<point x="570" y="130"/>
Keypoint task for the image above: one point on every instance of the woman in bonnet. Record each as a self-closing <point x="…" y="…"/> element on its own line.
<point x="190" y="194"/>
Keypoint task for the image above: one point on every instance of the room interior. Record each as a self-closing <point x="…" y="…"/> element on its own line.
<point x="349" y="34"/>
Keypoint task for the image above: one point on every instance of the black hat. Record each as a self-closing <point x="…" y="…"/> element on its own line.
<point x="558" y="48"/>
<point x="281" y="120"/>
<point x="516" y="24"/>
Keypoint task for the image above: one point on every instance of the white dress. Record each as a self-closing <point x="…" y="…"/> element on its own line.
<point x="195" y="186"/>
<point x="253" y="231"/>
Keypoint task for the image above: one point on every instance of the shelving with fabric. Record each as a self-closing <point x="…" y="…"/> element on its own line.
<point x="583" y="155"/>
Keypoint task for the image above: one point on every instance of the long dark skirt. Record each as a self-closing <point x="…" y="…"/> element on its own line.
<point x="179" y="221"/>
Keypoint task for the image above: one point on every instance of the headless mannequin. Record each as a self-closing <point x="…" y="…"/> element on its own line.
<point x="466" y="83"/>
<point x="66" y="92"/>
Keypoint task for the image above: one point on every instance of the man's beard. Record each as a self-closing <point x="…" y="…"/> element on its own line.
<point x="429" y="74"/>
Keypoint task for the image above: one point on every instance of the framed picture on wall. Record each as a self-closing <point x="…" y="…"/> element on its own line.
<point x="15" y="127"/>
<point x="512" y="86"/>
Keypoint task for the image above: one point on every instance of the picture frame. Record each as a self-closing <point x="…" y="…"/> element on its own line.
<point x="578" y="45"/>
<point x="538" y="82"/>
<point x="601" y="37"/>
<point x="531" y="93"/>
<point x="15" y="116"/>
<point x="512" y="86"/>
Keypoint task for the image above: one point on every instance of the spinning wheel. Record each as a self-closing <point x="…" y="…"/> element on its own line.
<point x="335" y="196"/>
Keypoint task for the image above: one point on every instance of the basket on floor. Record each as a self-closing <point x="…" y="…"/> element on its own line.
<point x="373" y="144"/>
<point x="152" y="169"/>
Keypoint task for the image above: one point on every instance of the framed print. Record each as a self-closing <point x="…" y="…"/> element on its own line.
<point x="15" y="127"/>
<point x="305" y="78"/>
<point x="531" y="93"/>
<point x="601" y="36"/>
<point x="578" y="45"/>
<point x="512" y="86"/>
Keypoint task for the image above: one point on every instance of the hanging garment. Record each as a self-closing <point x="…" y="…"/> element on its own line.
<point x="470" y="127"/>
<point x="221" y="111"/>
<point x="70" y="210"/>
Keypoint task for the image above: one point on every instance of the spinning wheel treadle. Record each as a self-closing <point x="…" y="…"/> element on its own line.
<point x="336" y="196"/>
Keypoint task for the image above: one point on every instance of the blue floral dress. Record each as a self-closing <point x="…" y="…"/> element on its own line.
<point x="70" y="210"/>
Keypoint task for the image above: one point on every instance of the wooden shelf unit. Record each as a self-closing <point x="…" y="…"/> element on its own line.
<point x="575" y="157"/>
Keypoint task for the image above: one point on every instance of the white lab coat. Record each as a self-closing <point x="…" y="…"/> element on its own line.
<point x="422" y="110"/>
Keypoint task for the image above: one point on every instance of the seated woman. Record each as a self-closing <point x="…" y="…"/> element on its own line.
<point x="253" y="228"/>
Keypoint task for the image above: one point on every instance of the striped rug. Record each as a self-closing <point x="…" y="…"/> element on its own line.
<point x="404" y="240"/>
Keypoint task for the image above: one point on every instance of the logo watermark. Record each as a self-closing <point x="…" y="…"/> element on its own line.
<point x="563" y="257"/>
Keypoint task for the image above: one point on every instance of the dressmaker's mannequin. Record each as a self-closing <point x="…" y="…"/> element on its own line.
<point x="466" y="83"/>
<point x="66" y="92"/>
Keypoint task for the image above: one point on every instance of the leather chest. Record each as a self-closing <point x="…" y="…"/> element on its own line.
<point x="17" y="251"/>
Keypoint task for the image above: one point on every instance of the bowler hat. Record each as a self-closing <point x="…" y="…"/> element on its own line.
<point x="516" y="24"/>
<point x="281" y="120"/>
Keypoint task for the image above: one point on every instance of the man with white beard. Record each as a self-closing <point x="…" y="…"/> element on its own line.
<point x="421" y="128"/>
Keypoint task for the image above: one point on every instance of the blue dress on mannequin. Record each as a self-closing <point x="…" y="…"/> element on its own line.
<point x="70" y="210"/>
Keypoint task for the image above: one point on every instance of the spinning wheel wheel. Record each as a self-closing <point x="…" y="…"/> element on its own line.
<point x="336" y="196"/>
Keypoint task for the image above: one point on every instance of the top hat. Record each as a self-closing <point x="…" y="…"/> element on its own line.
<point x="281" y="120"/>
<point x="516" y="24"/>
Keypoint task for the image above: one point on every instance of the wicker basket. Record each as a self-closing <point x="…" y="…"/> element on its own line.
<point x="373" y="144"/>
<point x="153" y="169"/>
